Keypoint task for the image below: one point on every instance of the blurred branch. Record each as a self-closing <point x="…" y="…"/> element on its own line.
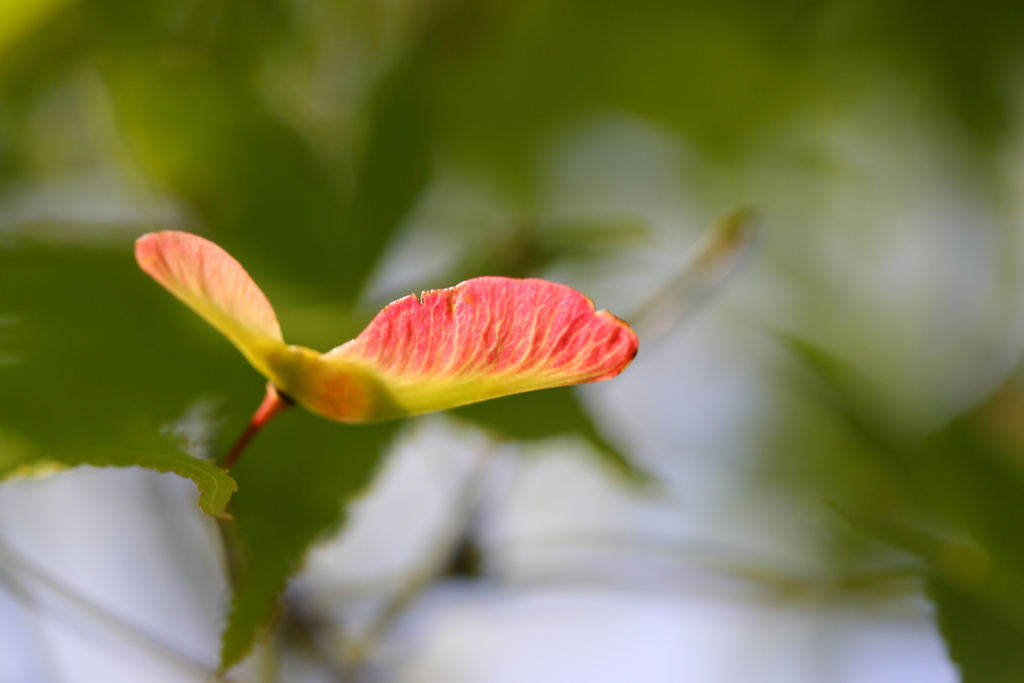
<point x="17" y="590"/>
<point x="708" y="264"/>
<point x="445" y="552"/>
<point x="15" y="561"/>
<point x="303" y="623"/>
<point x="723" y="562"/>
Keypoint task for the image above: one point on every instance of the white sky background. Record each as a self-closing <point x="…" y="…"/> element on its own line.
<point x="880" y="250"/>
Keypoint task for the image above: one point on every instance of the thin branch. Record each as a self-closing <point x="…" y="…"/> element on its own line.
<point x="22" y="595"/>
<point x="103" y="616"/>
<point x="708" y="264"/>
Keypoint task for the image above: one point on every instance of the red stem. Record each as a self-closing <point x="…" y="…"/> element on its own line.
<point x="273" y="403"/>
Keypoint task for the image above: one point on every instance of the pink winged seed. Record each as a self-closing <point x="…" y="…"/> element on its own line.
<point x="493" y="328"/>
<point x="485" y="338"/>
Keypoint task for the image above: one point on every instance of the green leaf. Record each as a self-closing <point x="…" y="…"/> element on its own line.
<point x="294" y="484"/>
<point x="96" y="369"/>
<point x="986" y="644"/>
<point x="965" y="483"/>
<point x="979" y="601"/>
<point x="214" y="484"/>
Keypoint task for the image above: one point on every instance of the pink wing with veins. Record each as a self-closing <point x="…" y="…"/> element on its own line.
<point x="489" y="337"/>
<point x="215" y="286"/>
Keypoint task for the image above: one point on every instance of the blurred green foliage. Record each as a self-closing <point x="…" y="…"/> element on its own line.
<point x="300" y="135"/>
<point x="951" y="497"/>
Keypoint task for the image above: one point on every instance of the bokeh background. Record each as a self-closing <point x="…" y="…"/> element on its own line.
<point x="833" y="441"/>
